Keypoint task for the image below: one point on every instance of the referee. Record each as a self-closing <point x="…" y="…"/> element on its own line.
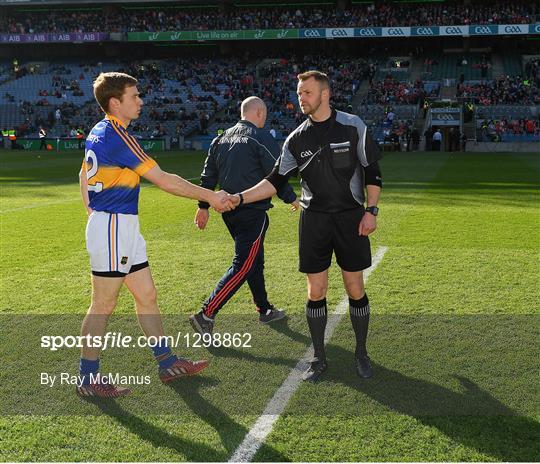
<point x="338" y="163"/>
<point x="238" y="159"/>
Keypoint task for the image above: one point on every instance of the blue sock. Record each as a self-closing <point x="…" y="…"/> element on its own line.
<point x="87" y="367"/>
<point x="163" y="355"/>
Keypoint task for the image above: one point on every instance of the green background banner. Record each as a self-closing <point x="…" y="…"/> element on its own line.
<point x="73" y="144"/>
<point x="336" y="33"/>
<point x="258" y="34"/>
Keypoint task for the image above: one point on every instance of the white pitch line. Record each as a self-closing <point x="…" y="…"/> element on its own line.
<point x="58" y="202"/>
<point x="275" y="407"/>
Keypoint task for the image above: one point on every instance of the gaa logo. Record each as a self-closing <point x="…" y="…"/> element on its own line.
<point x="513" y="29"/>
<point x="367" y="32"/>
<point x="424" y="31"/>
<point x="312" y="33"/>
<point x="454" y="30"/>
<point x="339" y="33"/>
<point x="395" y="31"/>
<point x="445" y="117"/>
<point x="482" y="30"/>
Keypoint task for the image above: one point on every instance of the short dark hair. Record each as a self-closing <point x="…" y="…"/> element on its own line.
<point x="111" y="85"/>
<point x="319" y="76"/>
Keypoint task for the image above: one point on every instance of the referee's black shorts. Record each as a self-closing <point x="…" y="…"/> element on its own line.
<point x="323" y="233"/>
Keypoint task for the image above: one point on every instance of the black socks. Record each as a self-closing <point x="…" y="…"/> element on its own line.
<point x="317" y="315"/>
<point x="359" y="311"/>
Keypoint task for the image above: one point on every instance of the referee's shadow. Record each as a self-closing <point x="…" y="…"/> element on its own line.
<point x="473" y="418"/>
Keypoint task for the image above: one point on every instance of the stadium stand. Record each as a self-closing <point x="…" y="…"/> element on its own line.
<point x="459" y="65"/>
<point x="502" y="91"/>
<point x="385" y="84"/>
<point x="126" y="19"/>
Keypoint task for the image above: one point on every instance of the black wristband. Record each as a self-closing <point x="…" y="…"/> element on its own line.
<point x="241" y="199"/>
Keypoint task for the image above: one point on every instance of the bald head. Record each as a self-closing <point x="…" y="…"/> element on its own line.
<point x="253" y="109"/>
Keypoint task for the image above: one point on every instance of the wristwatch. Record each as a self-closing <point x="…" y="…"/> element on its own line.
<point x="373" y="210"/>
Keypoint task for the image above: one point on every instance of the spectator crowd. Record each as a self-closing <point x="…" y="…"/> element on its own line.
<point x="123" y="19"/>
<point x="396" y="92"/>
<point x="505" y="90"/>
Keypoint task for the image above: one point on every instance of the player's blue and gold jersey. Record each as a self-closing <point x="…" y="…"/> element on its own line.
<point x="114" y="162"/>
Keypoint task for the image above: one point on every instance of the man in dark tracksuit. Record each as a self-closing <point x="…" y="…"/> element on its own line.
<point x="338" y="163"/>
<point x="238" y="159"/>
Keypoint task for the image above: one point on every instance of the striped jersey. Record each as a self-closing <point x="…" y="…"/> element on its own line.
<point x="114" y="162"/>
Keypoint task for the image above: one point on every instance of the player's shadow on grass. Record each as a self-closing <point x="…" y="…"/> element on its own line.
<point x="156" y="436"/>
<point x="231" y="433"/>
<point x="474" y="418"/>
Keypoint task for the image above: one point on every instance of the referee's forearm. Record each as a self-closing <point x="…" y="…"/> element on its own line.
<point x="262" y="190"/>
<point x="373" y="194"/>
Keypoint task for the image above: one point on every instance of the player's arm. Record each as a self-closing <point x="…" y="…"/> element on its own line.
<point x="176" y="185"/>
<point x="131" y="154"/>
<point x="83" y="184"/>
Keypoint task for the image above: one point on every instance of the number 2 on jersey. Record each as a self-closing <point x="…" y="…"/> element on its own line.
<point x="92" y="158"/>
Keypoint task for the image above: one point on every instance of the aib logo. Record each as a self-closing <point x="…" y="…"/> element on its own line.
<point x="454" y="30"/>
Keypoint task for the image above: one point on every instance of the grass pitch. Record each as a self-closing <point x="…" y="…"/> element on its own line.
<point x="454" y="331"/>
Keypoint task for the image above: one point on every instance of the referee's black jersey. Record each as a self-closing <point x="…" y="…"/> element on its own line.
<point x="331" y="157"/>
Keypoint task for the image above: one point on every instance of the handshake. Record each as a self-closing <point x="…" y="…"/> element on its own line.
<point x="222" y="201"/>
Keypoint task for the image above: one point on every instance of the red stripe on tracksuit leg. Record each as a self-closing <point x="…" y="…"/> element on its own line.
<point x="244" y="270"/>
<point x="220" y="296"/>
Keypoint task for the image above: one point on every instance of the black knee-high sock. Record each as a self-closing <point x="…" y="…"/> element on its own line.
<point x="317" y="316"/>
<point x="359" y="311"/>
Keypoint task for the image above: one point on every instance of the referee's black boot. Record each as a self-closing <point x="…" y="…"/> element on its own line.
<point x="201" y="324"/>
<point x="363" y="367"/>
<point x="314" y="371"/>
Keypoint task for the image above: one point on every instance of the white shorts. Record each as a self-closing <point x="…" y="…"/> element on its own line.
<point x="115" y="244"/>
